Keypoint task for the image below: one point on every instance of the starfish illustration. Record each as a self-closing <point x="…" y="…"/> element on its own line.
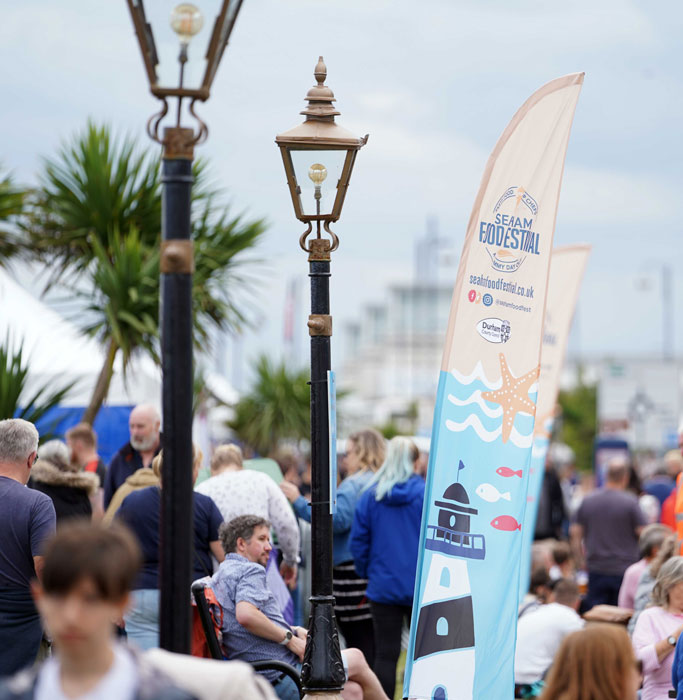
<point x="513" y="395"/>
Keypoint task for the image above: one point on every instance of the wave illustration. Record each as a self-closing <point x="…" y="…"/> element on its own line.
<point x="472" y="421"/>
<point x="475" y="397"/>
<point x="539" y="447"/>
<point x="477" y="375"/>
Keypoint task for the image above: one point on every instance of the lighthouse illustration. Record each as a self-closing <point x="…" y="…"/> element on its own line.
<point x="444" y="640"/>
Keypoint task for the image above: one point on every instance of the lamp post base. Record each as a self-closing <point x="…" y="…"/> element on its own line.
<point x="322" y="670"/>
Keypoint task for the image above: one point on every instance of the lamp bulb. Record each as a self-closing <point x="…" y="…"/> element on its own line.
<point x="186" y="21"/>
<point x="317" y="172"/>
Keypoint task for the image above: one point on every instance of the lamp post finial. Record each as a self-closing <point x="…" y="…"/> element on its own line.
<point x="320" y="97"/>
<point x="320" y="72"/>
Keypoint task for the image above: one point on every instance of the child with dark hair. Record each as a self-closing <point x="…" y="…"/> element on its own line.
<point x="87" y="576"/>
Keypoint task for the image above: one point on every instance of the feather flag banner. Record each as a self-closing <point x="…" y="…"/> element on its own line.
<point x="462" y="636"/>
<point x="566" y="272"/>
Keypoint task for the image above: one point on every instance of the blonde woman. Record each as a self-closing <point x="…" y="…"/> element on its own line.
<point x="658" y="629"/>
<point x="364" y="456"/>
<point x="384" y="543"/>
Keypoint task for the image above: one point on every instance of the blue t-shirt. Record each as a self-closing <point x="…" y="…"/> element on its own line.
<point x="141" y="512"/>
<point x="27" y="519"/>
<point x="239" y="579"/>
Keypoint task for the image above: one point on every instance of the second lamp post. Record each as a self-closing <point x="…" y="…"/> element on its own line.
<point x="318" y="156"/>
<point x="174" y="72"/>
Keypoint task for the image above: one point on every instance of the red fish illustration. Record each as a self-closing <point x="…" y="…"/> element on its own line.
<point x="506" y="471"/>
<point x="506" y="523"/>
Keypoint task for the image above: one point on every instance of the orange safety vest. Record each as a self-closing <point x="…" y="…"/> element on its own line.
<point x="678" y="511"/>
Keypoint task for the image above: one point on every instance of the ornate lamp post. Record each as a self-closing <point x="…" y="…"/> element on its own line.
<point x="176" y="71"/>
<point x="318" y="156"/>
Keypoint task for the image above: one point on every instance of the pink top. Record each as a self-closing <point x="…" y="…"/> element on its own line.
<point x="629" y="584"/>
<point x="655" y="624"/>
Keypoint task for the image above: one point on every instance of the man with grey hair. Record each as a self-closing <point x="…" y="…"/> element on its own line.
<point x="145" y="443"/>
<point x="608" y="522"/>
<point x="27" y="519"/>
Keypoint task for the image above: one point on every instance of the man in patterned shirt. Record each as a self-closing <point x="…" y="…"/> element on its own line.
<point x="237" y="491"/>
<point x="253" y="626"/>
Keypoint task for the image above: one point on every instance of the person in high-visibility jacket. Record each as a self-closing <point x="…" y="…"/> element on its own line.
<point x="670" y="458"/>
<point x="673" y="461"/>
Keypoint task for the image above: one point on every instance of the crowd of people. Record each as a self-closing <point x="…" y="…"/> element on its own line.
<point x="73" y="496"/>
<point x="606" y="573"/>
<point x="79" y="570"/>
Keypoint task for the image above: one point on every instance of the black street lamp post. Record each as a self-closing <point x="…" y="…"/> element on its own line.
<point x="176" y="266"/>
<point x="312" y="152"/>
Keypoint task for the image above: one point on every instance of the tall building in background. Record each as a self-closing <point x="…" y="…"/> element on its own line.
<point x="393" y="354"/>
<point x="394" y="349"/>
<point x="640" y="399"/>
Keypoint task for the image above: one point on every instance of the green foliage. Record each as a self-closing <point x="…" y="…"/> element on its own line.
<point x="219" y="242"/>
<point x="123" y="304"/>
<point x="276" y="409"/>
<point x="11" y="207"/>
<point x="15" y="402"/>
<point x="97" y="217"/>
<point x="200" y="392"/>
<point x="97" y="186"/>
<point x="389" y="430"/>
<point x="579" y="422"/>
<point x="101" y="191"/>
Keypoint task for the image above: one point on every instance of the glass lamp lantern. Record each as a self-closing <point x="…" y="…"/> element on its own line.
<point x="170" y="33"/>
<point x="318" y="156"/>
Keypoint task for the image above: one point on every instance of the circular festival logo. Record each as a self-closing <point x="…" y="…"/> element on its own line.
<point x="509" y="236"/>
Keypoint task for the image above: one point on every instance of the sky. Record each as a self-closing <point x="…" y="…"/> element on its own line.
<point x="434" y="84"/>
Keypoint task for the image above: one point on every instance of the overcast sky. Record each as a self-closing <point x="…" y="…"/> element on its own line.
<point x="434" y="83"/>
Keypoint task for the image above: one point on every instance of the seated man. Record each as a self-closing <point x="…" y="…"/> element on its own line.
<point x="86" y="580"/>
<point x="540" y="633"/>
<point x="253" y="626"/>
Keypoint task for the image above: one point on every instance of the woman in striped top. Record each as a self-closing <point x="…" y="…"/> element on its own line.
<point x="364" y="455"/>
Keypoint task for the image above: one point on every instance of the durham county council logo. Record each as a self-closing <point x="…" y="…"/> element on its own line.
<point x="509" y="237"/>
<point x="495" y="330"/>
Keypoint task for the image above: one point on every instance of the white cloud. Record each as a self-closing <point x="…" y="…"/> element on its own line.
<point x="598" y="196"/>
<point x="434" y="83"/>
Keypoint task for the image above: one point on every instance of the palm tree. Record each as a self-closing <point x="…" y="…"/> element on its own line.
<point x="97" y="187"/>
<point x="97" y="217"/>
<point x="15" y="401"/>
<point x="276" y="409"/>
<point x="121" y="306"/>
<point x="11" y="206"/>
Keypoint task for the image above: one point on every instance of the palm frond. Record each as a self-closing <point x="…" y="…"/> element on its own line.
<point x="96" y="218"/>
<point x="11" y="208"/>
<point x="96" y="185"/>
<point x="15" y="402"/>
<point x="277" y="407"/>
